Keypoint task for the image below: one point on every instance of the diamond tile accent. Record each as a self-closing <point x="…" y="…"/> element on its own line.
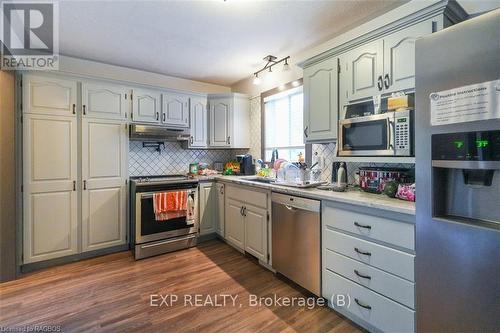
<point x="327" y="151"/>
<point x="255" y="128"/>
<point x="173" y="159"/>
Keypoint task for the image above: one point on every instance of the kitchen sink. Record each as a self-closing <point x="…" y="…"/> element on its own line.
<point x="260" y="180"/>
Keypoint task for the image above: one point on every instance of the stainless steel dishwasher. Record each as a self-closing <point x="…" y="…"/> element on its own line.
<point x="296" y="240"/>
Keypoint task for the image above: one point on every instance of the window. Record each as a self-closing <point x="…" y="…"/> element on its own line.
<point x="283" y="123"/>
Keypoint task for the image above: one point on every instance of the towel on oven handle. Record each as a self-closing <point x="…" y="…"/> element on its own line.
<point x="169" y="205"/>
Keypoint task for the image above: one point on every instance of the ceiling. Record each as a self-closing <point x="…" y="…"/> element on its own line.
<point x="216" y="41"/>
<point x="219" y="42"/>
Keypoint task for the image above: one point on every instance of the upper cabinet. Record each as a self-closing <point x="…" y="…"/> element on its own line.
<point x="399" y="56"/>
<point x="321" y="101"/>
<point x="198" y="122"/>
<point x="105" y="101"/>
<point x="364" y="67"/>
<point x="229" y="118"/>
<point x="175" y="110"/>
<point x="382" y="66"/>
<point x="49" y="95"/>
<point x="146" y="106"/>
<point x="220" y="119"/>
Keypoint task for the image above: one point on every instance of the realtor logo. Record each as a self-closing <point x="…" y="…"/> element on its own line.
<point x="29" y="35"/>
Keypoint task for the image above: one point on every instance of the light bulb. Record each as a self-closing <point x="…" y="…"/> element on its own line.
<point x="286" y="67"/>
<point x="256" y="80"/>
<point x="295" y="83"/>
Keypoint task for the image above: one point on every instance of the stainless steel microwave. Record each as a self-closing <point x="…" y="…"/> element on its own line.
<point x="386" y="134"/>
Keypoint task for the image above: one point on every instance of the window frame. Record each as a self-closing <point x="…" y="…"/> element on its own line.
<point x="274" y="91"/>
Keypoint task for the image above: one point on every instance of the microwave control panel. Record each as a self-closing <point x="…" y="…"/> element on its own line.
<point x="402" y="137"/>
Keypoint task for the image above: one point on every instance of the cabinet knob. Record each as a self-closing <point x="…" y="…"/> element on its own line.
<point x="305" y="131"/>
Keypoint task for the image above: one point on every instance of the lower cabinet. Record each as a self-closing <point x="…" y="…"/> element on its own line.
<point x="246" y="220"/>
<point x="104" y="191"/>
<point x="368" y="272"/>
<point x="208" y="206"/>
<point x="256" y="231"/>
<point x="220" y="216"/>
<point x="235" y="227"/>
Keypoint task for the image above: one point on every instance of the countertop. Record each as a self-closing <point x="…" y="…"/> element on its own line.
<point x="354" y="196"/>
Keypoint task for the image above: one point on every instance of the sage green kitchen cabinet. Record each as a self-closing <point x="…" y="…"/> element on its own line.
<point x="175" y="110"/>
<point x="199" y="122"/>
<point x="229" y="118"/>
<point x="382" y="66"/>
<point x="220" y="216"/>
<point x="235" y="223"/>
<point x="146" y="106"/>
<point x="321" y="101"/>
<point x="362" y="71"/>
<point x="399" y="56"/>
<point x="208" y="201"/>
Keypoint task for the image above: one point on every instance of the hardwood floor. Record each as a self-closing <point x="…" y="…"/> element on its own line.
<point x="112" y="294"/>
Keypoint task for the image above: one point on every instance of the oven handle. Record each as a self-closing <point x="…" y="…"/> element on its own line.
<point x="167" y="241"/>
<point x="145" y="195"/>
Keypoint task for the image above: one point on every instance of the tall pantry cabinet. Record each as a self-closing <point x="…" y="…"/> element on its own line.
<point x="74" y="166"/>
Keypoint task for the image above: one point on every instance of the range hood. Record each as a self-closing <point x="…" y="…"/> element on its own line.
<point x="140" y="132"/>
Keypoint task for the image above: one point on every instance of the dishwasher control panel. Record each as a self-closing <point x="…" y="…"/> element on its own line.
<point x="296" y="202"/>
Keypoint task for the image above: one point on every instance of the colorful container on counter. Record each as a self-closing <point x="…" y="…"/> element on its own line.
<point x="374" y="179"/>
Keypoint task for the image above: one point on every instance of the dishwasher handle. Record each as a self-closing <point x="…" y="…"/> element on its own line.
<point x="293" y="203"/>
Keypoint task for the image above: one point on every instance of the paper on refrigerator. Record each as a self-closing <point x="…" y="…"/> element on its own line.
<point x="468" y="103"/>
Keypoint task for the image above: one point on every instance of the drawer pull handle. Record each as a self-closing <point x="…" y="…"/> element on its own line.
<point x="361" y="275"/>
<point x="362" y="305"/>
<point x="362" y="252"/>
<point x="362" y="225"/>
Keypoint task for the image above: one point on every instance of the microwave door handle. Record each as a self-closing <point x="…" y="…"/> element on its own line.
<point x="390" y="126"/>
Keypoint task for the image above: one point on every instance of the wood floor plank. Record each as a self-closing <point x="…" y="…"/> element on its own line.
<point x="112" y="294"/>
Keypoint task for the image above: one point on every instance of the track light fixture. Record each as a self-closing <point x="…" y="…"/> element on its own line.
<point x="270" y="62"/>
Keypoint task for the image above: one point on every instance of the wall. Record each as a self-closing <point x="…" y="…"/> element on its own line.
<point x="246" y="86"/>
<point x="92" y="69"/>
<point x="173" y="159"/>
<point x="7" y="178"/>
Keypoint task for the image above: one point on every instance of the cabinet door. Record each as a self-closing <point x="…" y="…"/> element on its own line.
<point x="321" y="101"/>
<point x="175" y="110"/>
<point x="104" y="100"/>
<point x="104" y="190"/>
<point x="198" y="116"/>
<point x="220" y="113"/>
<point x="48" y="95"/>
<point x="364" y="70"/>
<point x="208" y="202"/>
<point x="399" y="56"/>
<point x="146" y="106"/>
<point x="50" y="220"/>
<point x="256" y="231"/>
<point x="235" y="227"/>
<point x="220" y="216"/>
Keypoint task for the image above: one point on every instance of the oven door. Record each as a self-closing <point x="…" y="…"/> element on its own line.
<point x="367" y="136"/>
<point x="179" y="223"/>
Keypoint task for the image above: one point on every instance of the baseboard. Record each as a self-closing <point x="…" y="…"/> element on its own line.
<point x="73" y="258"/>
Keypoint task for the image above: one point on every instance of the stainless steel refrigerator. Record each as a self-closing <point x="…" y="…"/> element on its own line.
<point x="458" y="194"/>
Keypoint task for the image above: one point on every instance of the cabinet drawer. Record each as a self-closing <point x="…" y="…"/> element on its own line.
<point x="250" y="197"/>
<point x="384" y="283"/>
<point x="387" y="259"/>
<point x="377" y="228"/>
<point x="385" y="315"/>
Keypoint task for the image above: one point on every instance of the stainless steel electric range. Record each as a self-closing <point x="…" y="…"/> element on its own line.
<point x="151" y="236"/>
